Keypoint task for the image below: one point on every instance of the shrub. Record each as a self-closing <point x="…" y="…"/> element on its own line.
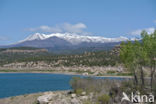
<point x="111" y="72"/>
<point x="78" y="91"/>
<point x="104" y="99"/>
<point x="87" y="102"/>
<point x="93" y="85"/>
<point x="124" y="74"/>
<point x="74" y="82"/>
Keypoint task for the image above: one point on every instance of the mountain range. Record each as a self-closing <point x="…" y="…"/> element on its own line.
<point x="68" y="42"/>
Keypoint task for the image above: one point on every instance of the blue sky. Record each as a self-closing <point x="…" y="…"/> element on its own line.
<point x="108" y="18"/>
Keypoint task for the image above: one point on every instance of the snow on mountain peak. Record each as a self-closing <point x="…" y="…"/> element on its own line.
<point x="35" y="36"/>
<point x="74" y="38"/>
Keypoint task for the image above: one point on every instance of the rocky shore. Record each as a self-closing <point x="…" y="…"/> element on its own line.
<point x="22" y="99"/>
<point x="56" y="97"/>
<point x="64" y="97"/>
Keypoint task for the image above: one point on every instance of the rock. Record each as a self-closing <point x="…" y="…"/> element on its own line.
<point x="59" y="95"/>
<point x="73" y="95"/>
<point x="44" y="99"/>
<point x="64" y="101"/>
<point x="70" y="92"/>
<point x="75" y="101"/>
<point x="84" y="97"/>
<point x="91" y="95"/>
<point x="85" y="73"/>
<point x="60" y="101"/>
<point x="83" y="93"/>
<point x="96" y="73"/>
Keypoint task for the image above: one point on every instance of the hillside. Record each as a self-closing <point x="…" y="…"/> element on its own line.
<point x="99" y="58"/>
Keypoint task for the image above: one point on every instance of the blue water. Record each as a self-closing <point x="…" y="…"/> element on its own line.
<point x="13" y="84"/>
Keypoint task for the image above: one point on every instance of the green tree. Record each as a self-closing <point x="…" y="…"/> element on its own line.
<point x="149" y="44"/>
<point x="138" y="55"/>
<point x="128" y="57"/>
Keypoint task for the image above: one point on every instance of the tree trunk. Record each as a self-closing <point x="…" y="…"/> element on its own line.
<point x="151" y="83"/>
<point x="135" y="78"/>
<point x="142" y="77"/>
<point x="152" y="75"/>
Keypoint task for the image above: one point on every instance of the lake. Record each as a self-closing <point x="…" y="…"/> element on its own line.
<point x="13" y="84"/>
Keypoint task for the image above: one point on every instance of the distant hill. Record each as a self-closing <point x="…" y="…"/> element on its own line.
<point x="99" y="58"/>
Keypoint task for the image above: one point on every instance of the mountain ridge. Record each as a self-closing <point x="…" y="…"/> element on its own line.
<point x="74" y="38"/>
<point x="68" y="42"/>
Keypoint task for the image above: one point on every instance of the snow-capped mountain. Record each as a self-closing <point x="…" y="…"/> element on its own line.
<point x="69" y="42"/>
<point x="74" y="38"/>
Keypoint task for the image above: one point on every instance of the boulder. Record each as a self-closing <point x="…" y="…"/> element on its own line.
<point x="44" y="99"/>
<point x="73" y="95"/>
<point x="84" y="97"/>
<point x="91" y="95"/>
<point x="96" y="73"/>
<point x="75" y="101"/>
<point x="59" y="101"/>
<point x="85" y="73"/>
<point x="83" y="93"/>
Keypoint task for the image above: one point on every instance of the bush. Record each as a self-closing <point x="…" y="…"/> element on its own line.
<point x="124" y="74"/>
<point x="111" y="72"/>
<point x="104" y="99"/>
<point x="74" y="82"/>
<point x="93" y="85"/>
<point x="78" y="91"/>
<point x="87" y="102"/>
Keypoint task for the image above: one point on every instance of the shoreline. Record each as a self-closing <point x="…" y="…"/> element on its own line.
<point x="65" y="73"/>
<point x="33" y="93"/>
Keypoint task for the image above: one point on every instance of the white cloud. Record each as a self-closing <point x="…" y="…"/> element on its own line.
<point x="76" y="28"/>
<point x="138" y="32"/>
<point x="45" y="28"/>
<point x="66" y="27"/>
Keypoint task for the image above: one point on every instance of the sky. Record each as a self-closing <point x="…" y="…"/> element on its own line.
<point x="108" y="18"/>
